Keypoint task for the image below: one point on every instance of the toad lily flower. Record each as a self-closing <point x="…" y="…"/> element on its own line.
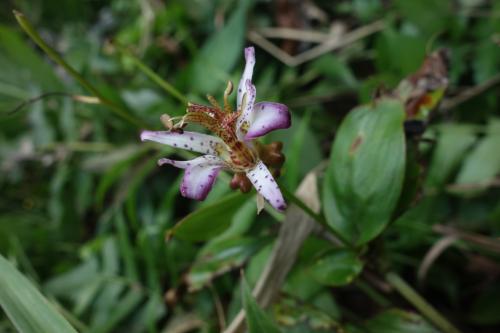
<point x="233" y="147"/>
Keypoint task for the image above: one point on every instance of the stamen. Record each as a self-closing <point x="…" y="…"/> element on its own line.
<point x="214" y="102"/>
<point x="227" y="92"/>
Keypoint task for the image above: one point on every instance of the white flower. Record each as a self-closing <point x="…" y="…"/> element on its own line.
<point x="232" y="148"/>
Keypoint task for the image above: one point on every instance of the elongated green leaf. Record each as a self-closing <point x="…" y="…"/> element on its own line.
<point x="17" y="55"/>
<point x="366" y="170"/>
<point x="25" y="306"/>
<point x="482" y="164"/>
<point x="396" y="321"/>
<point x="337" y="269"/>
<point x="257" y="319"/>
<point x="453" y="142"/>
<point x="218" y="257"/>
<point x="210" y="220"/>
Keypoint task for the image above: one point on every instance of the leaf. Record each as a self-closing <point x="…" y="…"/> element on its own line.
<point x="220" y="53"/>
<point x="396" y="321"/>
<point x="399" y="54"/>
<point x="210" y="220"/>
<point x="428" y="15"/>
<point x="257" y="319"/>
<point x="303" y="317"/>
<point x="335" y="69"/>
<point x="482" y="164"/>
<point x="295" y="150"/>
<point x="18" y="55"/>
<point x="365" y="174"/>
<point x="336" y="269"/>
<point x="25" y="306"/>
<point x="217" y="258"/>
<point x="453" y="142"/>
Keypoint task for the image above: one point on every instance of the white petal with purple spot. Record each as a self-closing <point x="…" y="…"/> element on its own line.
<point x="201" y="143"/>
<point x="247" y="74"/>
<point x="265" y="184"/>
<point x="266" y="117"/>
<point x="199" y="176"/>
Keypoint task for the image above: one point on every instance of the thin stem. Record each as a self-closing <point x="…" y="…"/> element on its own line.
<point x="315" y="216"/>
<point x="372" y="293"/>
<point x="33" y="34"/>
<point x="420" y="303"/>
<point x="152" y="75"/>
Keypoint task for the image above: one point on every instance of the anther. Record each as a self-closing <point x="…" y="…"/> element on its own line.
<point x="166" y="121"/>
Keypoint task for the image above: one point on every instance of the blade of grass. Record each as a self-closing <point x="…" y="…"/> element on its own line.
<point x="420" y="303"/>
<point x="25" y="306"/>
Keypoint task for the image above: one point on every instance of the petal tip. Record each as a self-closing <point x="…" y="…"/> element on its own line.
<point x="145" y="135"/>
<point x="281" y="207"/>
<point x="250" y="53"/>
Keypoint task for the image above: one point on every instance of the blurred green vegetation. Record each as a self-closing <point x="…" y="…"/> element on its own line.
<point x="84" y="209"/>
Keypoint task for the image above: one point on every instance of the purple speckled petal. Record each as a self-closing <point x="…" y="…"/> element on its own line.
<point x="201" y="143"/>
<point x="244" y="119"/>
<point x="199" y="176"/>
<point x="266" y="117"/>
<point x="265" y="184"/>
<point x="247" y="74"/>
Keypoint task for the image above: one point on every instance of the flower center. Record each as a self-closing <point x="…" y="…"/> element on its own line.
<point x="222" y="122"/>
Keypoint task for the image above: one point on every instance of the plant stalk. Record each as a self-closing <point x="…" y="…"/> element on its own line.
<point x="170" y="89"/>
<point x="420" y="303"/>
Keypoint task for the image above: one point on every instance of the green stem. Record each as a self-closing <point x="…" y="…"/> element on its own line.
<point x="152" y="75"/>
<point x="315" y="216"/>
<point x="420" y="303"/>
<point x="33" y="34"/>
<point x="372" y="293"/>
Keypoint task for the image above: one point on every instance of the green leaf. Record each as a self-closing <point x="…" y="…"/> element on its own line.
<point x="303" y="317"/>
<point x="365" y="174"/>
<point x="25" y="306"/>
<point x="397" y="321"/>
<point x="217" y="258"/>
<point x="335" y="69"/>
<point x="482" y="164"/>
<point x="453" y="142"/>
<point x="337" y="268"/>
<point x="210" y="220"/>
<point x="399" y="54"/>
<point x="428" y="15"/>
<point x="257" y="319"/>
<point x="220" y="53"/>
<point x="18" y="55"/>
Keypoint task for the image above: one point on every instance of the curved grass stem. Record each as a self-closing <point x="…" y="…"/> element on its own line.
<point x="33" y="34"/>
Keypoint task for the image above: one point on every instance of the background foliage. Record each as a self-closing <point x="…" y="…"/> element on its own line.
<point x="84" y="209"/>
